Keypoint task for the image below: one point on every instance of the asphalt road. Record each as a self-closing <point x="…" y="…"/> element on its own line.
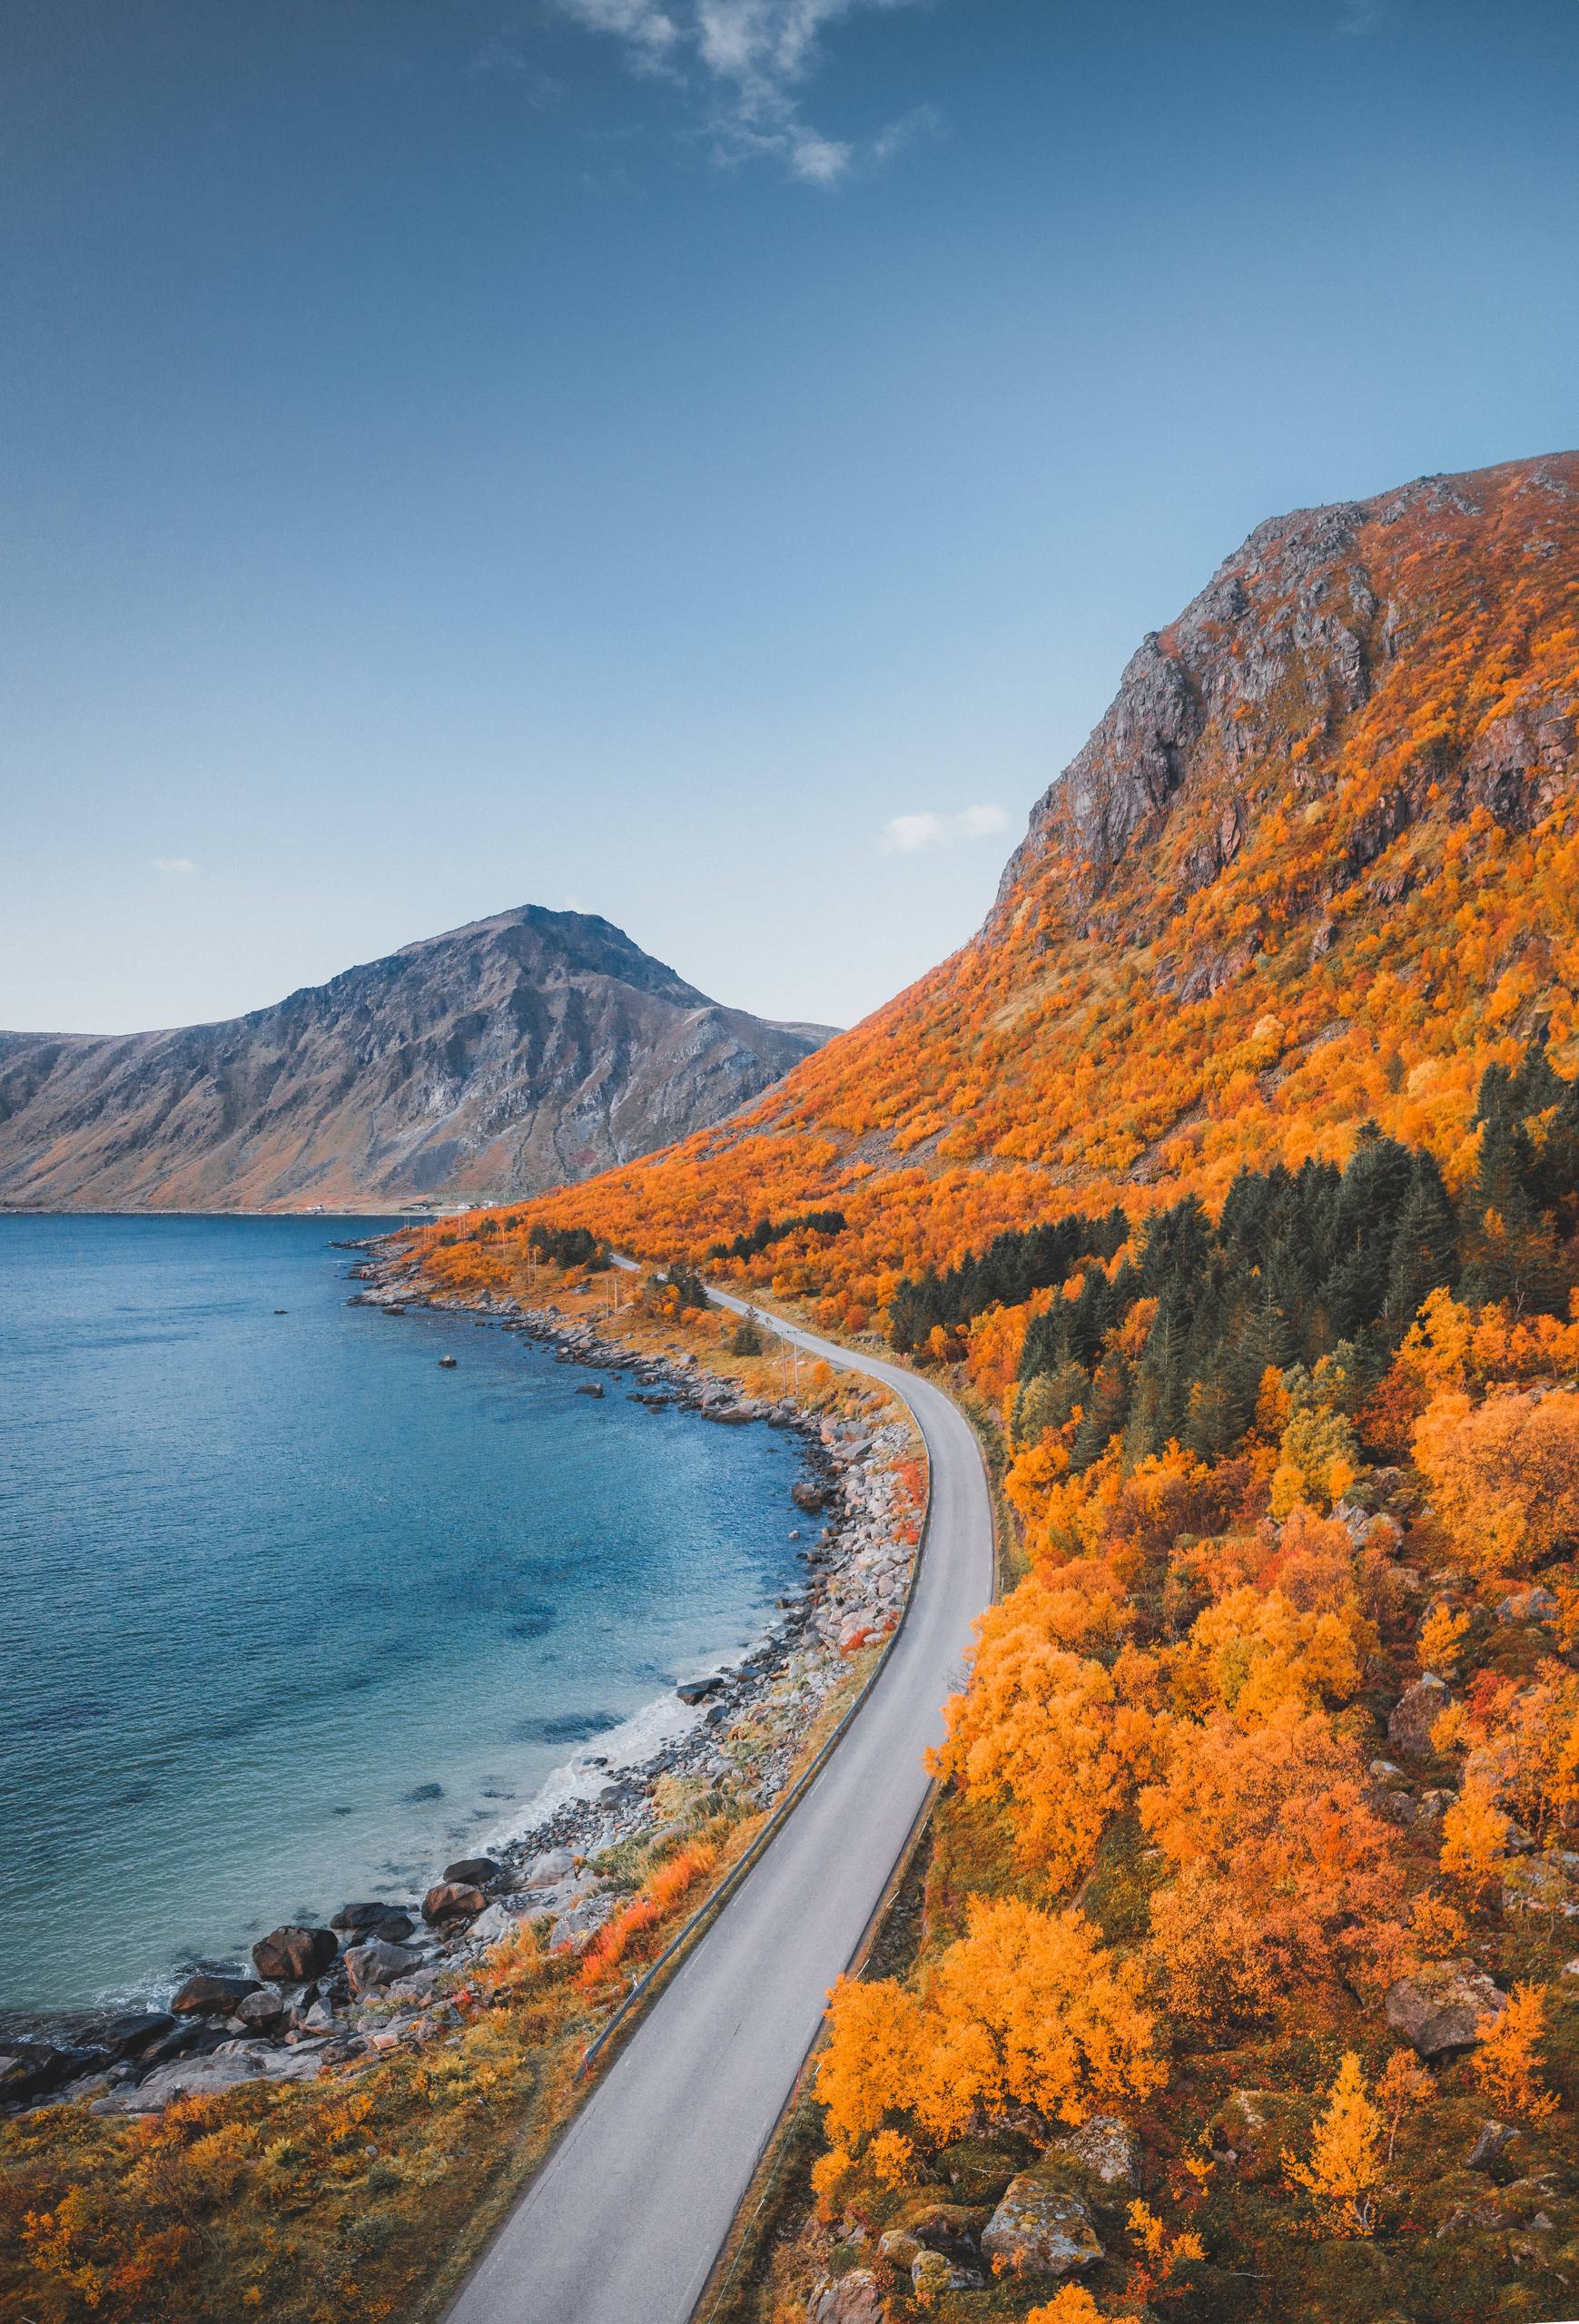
<point x="624" y="2222"/>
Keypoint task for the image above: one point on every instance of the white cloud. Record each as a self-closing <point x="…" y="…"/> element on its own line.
<point x="911" y="834"/>
<point x="183" y="865"/>
<point x="748" y="58"/>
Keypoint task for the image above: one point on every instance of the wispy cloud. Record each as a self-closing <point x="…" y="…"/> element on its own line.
<point x="181" y="866"/>
<point x="749" y="60"/>
<point x="913" y="835"/>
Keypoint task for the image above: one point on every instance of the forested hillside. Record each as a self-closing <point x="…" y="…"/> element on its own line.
<point x="1232" y="1174"/>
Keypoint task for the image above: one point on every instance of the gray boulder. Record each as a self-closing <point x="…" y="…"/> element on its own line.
<point x="476" y="1871"/>
<point x="376" y="1964"/>
<point x="554" y="1864"/>
<point x="1493" y="2141"/>
<point x="932" y="2273"/>
<point x="267" y="2006"/>
<point x="1415" y="1713"/>
<point x="1534" y="1605"/>
<point x="1106" y="2148"/>
<point x="393" y="1922"/>
<point x="1439" y="2010"/>
<point x="854" y="2299"/>
<point x="450" y="1900"/>
<point x="1041" y="2229"/>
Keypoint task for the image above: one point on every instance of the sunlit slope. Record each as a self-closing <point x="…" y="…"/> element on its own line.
<point x="1317" y="864"/>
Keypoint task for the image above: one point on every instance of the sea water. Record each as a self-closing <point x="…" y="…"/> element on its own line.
<point x="290" y="1614"/>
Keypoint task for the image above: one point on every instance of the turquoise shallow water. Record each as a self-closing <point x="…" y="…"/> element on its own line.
<point x="290" y="1613"/>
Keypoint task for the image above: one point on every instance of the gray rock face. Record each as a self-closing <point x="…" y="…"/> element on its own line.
<point x="223" y="2069"/>
<point x="1440" y="2009"/>
<point x="1039" y="2229"/>
<point x="1286" y="637"/>
<point x="1492" y="2141"/>
<point x="504" y="1057"/>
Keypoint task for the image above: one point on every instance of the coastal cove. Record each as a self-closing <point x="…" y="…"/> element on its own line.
<point x="296" y="1613"/>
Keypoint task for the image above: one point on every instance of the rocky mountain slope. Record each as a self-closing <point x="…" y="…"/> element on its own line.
<point x="502" y="1057"/>
<point x="1318" y="863"/>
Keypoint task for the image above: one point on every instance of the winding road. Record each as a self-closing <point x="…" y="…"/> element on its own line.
<point x="623" y="2223"/>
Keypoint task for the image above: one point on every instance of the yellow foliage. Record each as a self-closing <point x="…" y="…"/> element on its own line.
<point x="1252" y="1652"/>
<point x="1028" y="2008"/>
<point x="1442" y="1634"/>
<point x="1508" y="2063"/>
<point x="1317" y="1460"/>
<point x="1343" y="2168"/>
<point x="1049" y="1730"/>
<point x="1475" y="1837"/>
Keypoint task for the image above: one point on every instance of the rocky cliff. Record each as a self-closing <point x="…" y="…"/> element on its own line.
<point x="502" y="1057"/>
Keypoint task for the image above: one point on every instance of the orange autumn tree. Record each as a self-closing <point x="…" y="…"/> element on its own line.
<point x="1282" y="1876"/>
<point x="1058" y="1734"/>
<point x="1504" y="1474"/>
<point x="1027" y="2008"/>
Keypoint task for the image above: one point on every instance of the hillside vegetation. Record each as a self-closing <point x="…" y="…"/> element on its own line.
<point x="1232" y="1174"/>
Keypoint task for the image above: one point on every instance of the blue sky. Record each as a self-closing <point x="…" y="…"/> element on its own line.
<point x="704" y="461"/>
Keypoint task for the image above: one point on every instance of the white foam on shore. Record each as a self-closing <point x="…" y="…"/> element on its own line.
<point x="629" y="1745"/>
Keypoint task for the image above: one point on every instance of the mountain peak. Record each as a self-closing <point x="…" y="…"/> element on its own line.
<point x="1267" y="668"/>
<point x="499" y="1058"/>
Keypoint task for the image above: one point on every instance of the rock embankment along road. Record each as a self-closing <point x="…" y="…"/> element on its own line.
<point x="625" y="2221"/>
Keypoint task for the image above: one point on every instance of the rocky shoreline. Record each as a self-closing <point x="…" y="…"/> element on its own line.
<point x="380" y="1972"/>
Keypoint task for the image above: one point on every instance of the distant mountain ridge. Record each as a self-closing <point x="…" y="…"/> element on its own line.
<point x="502" y="1058"/>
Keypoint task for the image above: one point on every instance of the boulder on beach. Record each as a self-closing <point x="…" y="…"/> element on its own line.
<point x="376" y="1964"/>
<point x="477" y="1870"/>
<point x="295" y="1954"/>
<point x="553" y="1864"/>
<point x="376" y="1919"/>
<point x="209" y="1992"/>
<point x="129" y="2035"/>
<point x="697" y="1690"/>
<point x="452" y="1900"/>
<point x="267" y="2006"/>
<point x="31" y="2069"/>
